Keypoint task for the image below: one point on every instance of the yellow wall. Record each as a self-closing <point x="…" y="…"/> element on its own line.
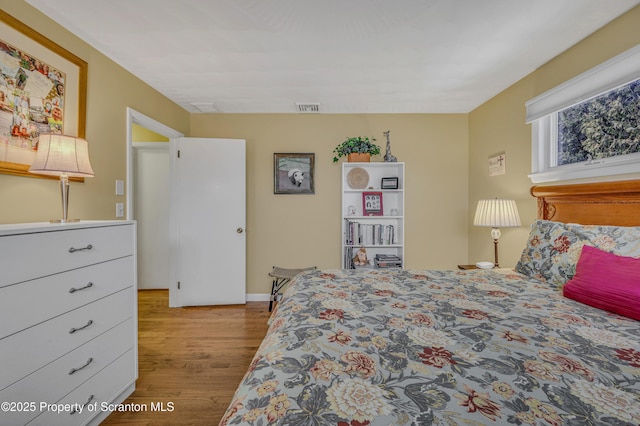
<point x="499" y="125"/>
<point x="301" y="230"/>
<point x="110" y="90"/>
<point x="142" y="134"/>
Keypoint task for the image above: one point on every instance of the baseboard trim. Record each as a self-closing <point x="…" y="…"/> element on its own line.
<point x="258" y="297"/>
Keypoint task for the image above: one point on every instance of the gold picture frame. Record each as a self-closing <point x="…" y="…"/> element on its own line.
<point x="17" y="147"/>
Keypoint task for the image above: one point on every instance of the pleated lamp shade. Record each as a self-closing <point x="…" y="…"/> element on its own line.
<point x="497" y="213"/>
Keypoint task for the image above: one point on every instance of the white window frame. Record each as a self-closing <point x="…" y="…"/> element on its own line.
<point x="542" y="114"/>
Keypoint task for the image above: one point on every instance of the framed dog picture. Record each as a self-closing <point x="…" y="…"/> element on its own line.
<point x="372" y="203"/>
<point x="293" y="173"/>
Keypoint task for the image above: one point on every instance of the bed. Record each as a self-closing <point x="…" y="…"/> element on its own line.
<point x="422" y="347"/>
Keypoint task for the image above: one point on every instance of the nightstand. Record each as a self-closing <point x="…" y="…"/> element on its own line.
<point x="467" y="267"/>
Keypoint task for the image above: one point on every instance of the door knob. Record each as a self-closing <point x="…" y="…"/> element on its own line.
<point x="239" y="230"/>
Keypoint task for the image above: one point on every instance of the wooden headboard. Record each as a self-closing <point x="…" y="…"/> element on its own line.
<point x="602" y="203"/>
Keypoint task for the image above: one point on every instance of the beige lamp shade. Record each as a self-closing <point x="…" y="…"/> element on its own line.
<point x="64" y="156"/>
<point x="61" y="154"/>
<point x="497" y="214"/>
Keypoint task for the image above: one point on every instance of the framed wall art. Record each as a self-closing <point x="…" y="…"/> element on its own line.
<point x="293" y="173"/>
<point x="372" y="203"/>
<point x="43" y="89"/>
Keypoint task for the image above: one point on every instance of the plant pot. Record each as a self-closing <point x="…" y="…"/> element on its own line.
<point x="356" y="157"/>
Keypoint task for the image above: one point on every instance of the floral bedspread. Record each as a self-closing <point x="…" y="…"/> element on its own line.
<point x="403" y="347"/>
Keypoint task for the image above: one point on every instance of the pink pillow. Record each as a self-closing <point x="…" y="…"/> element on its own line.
<point x="606" y="281"/>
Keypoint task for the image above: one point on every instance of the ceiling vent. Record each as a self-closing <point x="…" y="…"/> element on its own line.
<point x="204" y="106"/>
<point x="308" y="107"/>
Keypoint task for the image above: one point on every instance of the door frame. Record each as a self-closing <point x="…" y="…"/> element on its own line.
<point x="135" y="117"/>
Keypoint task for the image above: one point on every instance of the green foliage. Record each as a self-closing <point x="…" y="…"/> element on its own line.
<point x="356" y="144"/>
<point x="602" y="127"/>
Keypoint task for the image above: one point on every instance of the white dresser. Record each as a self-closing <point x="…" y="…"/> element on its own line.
<point x="68" y="320"/>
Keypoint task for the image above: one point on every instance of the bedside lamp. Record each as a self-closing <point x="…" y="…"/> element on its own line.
<point x="497" y="214"/>
<point x="64" y="156"/>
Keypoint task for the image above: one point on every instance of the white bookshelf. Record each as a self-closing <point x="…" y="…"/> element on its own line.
<point x="378" y="234"/>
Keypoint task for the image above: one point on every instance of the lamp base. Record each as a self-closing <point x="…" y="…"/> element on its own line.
<point x="64" y="220"/>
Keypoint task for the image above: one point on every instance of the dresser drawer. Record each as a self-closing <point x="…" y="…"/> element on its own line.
<point x="28" y="256"/>
<point x="25" y="352"/>
<point x="57" y="294"/>
<point x="55" y="380"/>
<point x="102" y="387"/>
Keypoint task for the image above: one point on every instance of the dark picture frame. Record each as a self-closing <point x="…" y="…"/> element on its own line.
<point x="293" y="173"/>
<point x="372" y="203"/>
<point x="389" y="183"/>
<point x="31" y="48"/>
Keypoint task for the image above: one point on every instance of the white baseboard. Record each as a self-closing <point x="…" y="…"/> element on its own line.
<point x="258" y="297"/>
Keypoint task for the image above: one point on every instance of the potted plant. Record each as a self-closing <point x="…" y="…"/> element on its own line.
<point x="356" y="149"/>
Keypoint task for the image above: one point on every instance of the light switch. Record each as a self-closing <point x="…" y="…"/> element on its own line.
<point x="119" y="187"/>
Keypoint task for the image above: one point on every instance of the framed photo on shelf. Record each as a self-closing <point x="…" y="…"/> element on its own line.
<point x="372" y="203"/>
<point x="293" y="173"/>
<point x="43" y="90"/>
<point x="389" y="183"/>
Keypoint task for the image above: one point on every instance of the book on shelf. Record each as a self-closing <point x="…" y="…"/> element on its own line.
<point x="387" y="261"/>
<point x="369" y="234"/>
<point x="348" y="258"/>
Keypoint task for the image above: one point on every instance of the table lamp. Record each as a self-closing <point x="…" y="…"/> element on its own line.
<point x="497" y="214"/>
<point x="64" y="156"/>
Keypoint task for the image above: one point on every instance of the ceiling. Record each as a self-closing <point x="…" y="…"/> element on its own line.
<point x="348" y="56"/>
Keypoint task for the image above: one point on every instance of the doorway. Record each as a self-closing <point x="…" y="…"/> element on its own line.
<point x="147" y="174"/>
<point x="151" y="180"/>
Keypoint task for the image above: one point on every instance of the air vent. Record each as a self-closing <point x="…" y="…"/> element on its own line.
<point x="204" y="107"/>
<point x="308" y="107"/>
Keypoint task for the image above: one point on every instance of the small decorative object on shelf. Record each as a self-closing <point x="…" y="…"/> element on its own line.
<point x="360" y="259"/>
<point x="358" y="178"/>
<point x="372" y="203"/>
<point x="356" y="145"/>
<point x="389" y="183"/>
<point x="388" y="157"/>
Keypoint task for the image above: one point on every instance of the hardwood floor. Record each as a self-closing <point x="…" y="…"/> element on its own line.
<point x="191" y="357"/>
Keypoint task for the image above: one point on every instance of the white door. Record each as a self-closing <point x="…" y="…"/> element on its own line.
<point x="208" y="206"/>
<point x="151" y="211"/>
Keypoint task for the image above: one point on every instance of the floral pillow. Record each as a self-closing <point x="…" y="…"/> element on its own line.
<point x="551" y="253"/>
<point x="553" y="248"/>
<point x="621" y="240"/>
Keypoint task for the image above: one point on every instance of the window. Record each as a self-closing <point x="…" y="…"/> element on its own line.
<point x="589" y="126"/>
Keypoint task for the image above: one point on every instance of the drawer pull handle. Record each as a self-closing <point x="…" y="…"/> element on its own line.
<point x="73" y="289"/>
<point x="74" y="329"/>
<point x="74" y="370"/>
<point x="76" y="410"/>
<point x="73" y="249"/>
